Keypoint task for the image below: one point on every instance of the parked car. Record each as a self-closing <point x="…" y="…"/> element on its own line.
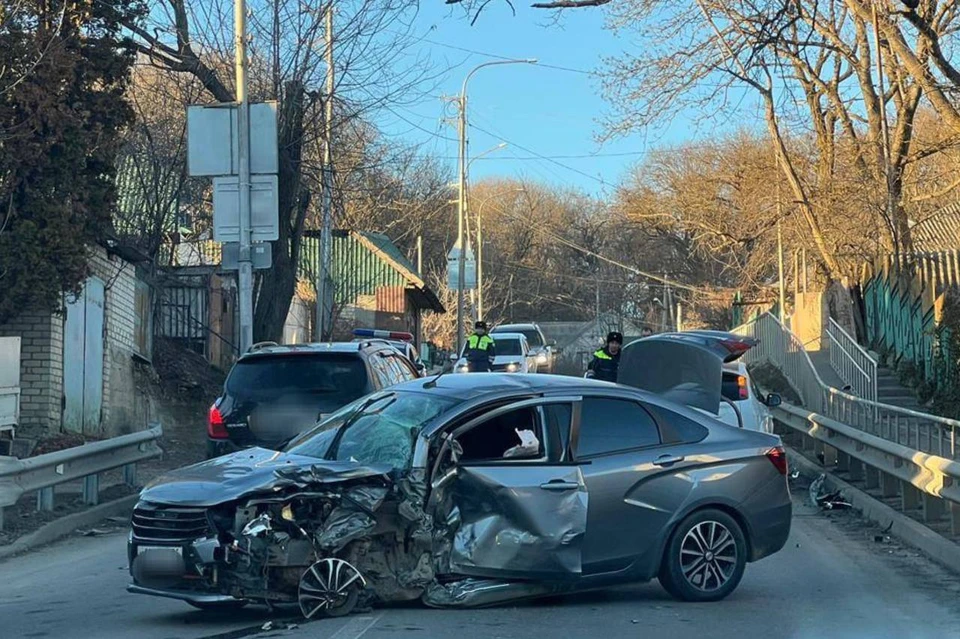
<point x="543" y="351"/>
<point x="739" y="389"/>
<point x="275" y="392"/>
<point x="400" y="340"/>
<point x="467" y="491"/>
<point x="513" y="355"/>
<point x="681" y="366"/>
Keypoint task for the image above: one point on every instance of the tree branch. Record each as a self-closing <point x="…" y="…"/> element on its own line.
<point x="569" y="4"/>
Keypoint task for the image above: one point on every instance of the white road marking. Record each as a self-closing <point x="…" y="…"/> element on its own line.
<point x="356" y="627"/>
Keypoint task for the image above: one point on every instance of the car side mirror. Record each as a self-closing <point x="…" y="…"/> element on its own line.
<point x="453" y="357"/>
<point x="774" y="400"/>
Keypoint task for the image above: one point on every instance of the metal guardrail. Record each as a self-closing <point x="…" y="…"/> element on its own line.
<point x="929" y="482"/>
<point x="929" y="434"/>
<point x="42" y="473"/>
<point x="852" y="362"/>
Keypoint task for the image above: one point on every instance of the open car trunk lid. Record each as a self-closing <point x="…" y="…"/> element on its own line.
<point x="685" y="367"/>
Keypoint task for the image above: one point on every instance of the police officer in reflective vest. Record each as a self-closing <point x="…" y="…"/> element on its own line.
<point x="606" y="361"/>
<point x="480" y="349"/>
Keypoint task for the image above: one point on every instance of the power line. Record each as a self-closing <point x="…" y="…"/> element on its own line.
<point x="582" y="249"/>
<point x="502" y="57"/>
<point x="543" y="157"/>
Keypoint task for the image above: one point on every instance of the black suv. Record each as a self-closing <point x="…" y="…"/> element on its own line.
<point x="275" y="392"/>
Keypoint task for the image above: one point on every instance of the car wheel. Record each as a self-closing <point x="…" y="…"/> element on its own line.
<point x="330" y="588"/>
<point x="218" y="605"/>
<point x="705" y="558"/>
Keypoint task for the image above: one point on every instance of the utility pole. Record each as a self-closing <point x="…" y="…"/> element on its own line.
<point x="326" y="204"/>
<point x="245" y="278"/>
<point x="420" y="273"/>
<point x="776" y="156"/>
<point x="679" y="317"/>
<point x="780" y="270"/>
<point x="461" y="206"/>
<point x="480" y="264"/>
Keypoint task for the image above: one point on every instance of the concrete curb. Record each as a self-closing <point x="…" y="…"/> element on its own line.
<point x="938" y="548"/>
<point x="62" y="527"/>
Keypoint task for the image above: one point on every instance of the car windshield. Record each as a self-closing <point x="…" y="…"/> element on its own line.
<point x="377" y="429"/>
<point x="267" y="377"/>
<point x="533" y="337"/>
<point x="508" y="346"/>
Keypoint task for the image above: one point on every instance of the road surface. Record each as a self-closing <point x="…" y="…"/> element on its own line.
<point x="834" y="579"/>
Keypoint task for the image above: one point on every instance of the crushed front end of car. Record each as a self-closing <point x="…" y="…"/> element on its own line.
<point x="322" y="535"/>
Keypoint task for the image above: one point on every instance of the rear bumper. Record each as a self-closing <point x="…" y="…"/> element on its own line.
<point x="769" y="514"/>
<point x="189" y="597"/>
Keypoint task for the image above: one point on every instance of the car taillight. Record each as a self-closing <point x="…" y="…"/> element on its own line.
<point x="742" y="386"/>
<point x="215" y="427"/>
<point x="778" y="457"/>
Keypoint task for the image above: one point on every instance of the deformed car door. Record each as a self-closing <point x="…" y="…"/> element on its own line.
<point x="519" y="518"/>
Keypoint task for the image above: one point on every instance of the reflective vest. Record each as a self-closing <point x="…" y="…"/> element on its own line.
<point x="605" y="366"/>
<point x="477" y="342"/>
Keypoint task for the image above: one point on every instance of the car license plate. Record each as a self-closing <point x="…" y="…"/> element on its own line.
<point x="176" y="549"/>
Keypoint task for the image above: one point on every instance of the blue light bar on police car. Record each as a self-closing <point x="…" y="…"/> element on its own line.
<point x="369" y="332"/>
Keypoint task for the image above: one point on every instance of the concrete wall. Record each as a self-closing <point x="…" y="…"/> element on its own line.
<point x="41" y="371"/>
<point x="809" y="319"/>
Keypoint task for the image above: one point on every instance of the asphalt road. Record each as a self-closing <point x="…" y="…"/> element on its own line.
<point x="834" y="579"/>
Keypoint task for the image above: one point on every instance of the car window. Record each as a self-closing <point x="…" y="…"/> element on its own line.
<point x="381" y="371"/>
<point x="404" y="369"/>
<point x="503" y="437"/>
<point x="734" y="387"/>
<point x="676" y="428"/>
<point x="557" y="425"/>
<point x="612" y="425"/>
<point x="266" y="377"/>
<point x="532" y="335"/>
<point x="384" y="430"/>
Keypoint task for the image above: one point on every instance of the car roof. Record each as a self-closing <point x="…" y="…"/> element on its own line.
<point x="507" y="328"/>
<point x="506" y="335"/>
<point x="310" y="349"/>
<point x="476" y="388"/>
<point x="477" y="385"/>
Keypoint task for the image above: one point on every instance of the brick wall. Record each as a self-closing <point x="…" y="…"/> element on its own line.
<point x="120" y="399"/>
<point x="41" y="371"/>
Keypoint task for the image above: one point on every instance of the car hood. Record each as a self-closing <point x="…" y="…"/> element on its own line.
<point x="248" y="472"/>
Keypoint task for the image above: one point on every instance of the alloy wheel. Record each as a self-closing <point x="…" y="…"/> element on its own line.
<point x="708" y="556"/>
<point x="330" y="586"/>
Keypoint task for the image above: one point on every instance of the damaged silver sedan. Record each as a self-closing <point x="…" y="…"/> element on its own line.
<point x="469" y="490"/>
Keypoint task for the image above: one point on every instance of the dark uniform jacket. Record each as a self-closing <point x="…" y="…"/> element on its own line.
<point x="479" y="353"/>
<point x="604" y="365"/>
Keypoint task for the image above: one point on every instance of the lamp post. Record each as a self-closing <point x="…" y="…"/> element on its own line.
<point x="462" y="202"/>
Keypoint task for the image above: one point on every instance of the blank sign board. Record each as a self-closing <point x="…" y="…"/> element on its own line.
<point x="213" y="145"/>
<point x="265" y="222"/>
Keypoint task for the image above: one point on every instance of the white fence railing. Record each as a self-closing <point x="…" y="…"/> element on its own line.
<point x="852" y="362"/>
<point x="930" y="434"/>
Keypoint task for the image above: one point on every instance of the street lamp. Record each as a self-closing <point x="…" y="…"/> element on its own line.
<point x="461" y="209"/>
<point x="519" y="189"/>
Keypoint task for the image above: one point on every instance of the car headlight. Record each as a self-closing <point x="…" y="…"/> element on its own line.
<point x="513" y="367"/>
<point x="541" y="358"/>
<point x="463" y="368"/>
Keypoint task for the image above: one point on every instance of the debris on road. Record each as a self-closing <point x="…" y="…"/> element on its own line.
<point x="824" y="500"/>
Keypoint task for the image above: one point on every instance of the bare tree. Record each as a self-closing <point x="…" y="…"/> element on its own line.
<point x="194" y="37"/>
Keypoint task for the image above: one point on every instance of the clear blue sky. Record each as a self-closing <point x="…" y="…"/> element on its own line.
<point x="549" y="111"/>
